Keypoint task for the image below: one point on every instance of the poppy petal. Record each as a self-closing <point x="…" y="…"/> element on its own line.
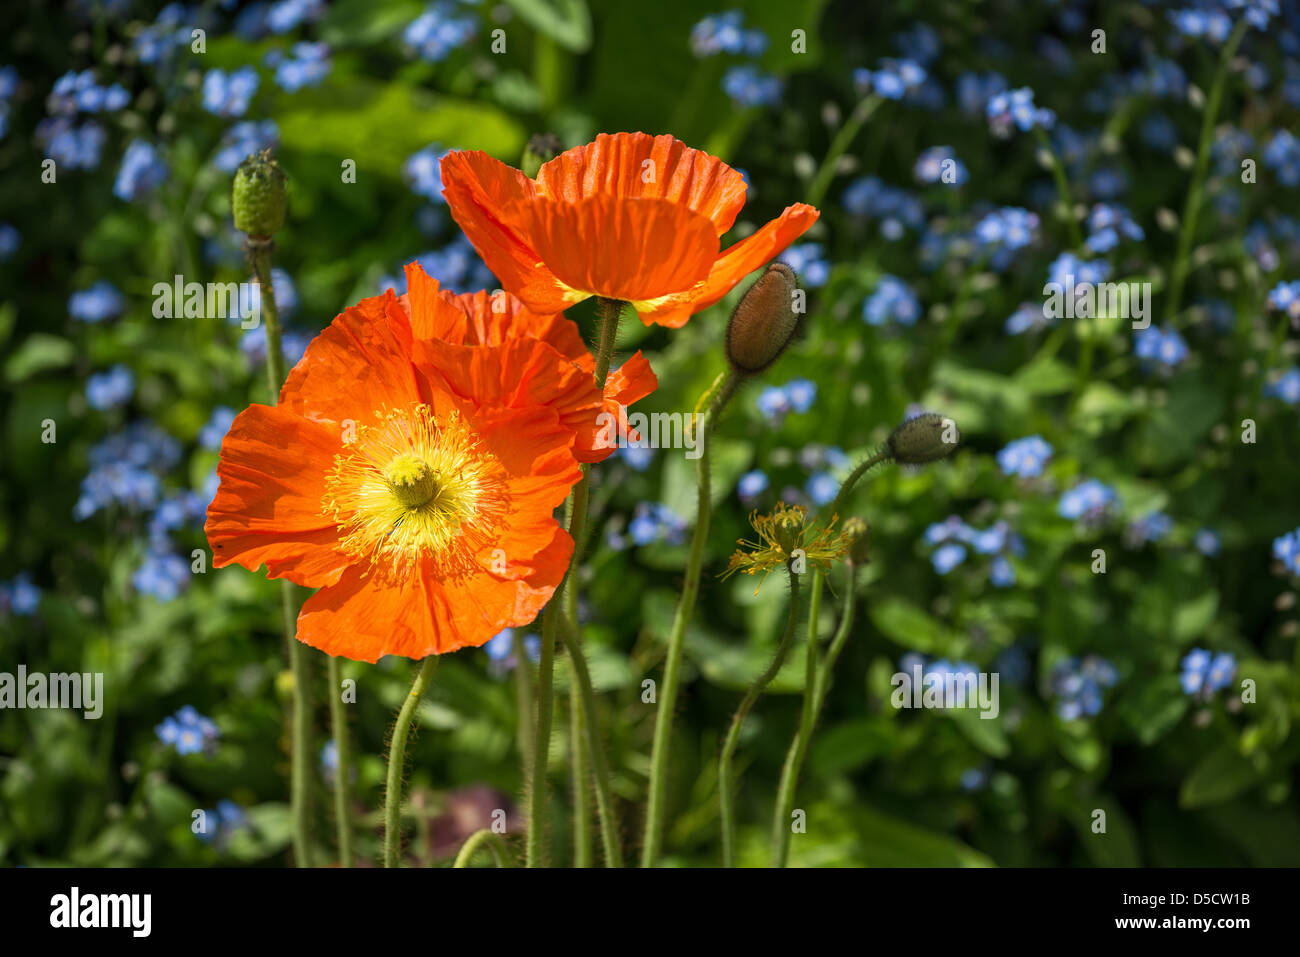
<point x="267" y="509"/>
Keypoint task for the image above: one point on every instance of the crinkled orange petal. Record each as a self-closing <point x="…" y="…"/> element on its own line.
<point x="753" y="251"/>
<point x="497" y="316"/>
<point x="630" y="249"/>
<point x="359" y="364"/>
<point x="477" y="189"/>
<point x="431" y="315"/>
<point x="637" y="165"/>
<point x="267" y="509"/>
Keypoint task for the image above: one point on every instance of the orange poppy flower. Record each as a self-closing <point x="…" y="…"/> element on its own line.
<point x="630" y="216"/>
<point x="483" y="318"/>
<point x="412" y="481"/>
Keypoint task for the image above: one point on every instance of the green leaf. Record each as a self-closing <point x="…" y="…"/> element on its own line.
<point x="1220" y="776"/>
<point x="911" y="627"/>
<point x="38" y="353"/>
<point x="567" y="22"/>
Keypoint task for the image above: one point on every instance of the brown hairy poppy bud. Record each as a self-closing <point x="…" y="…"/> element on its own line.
<point x="857" y="535"/>
<point x="765" y="320"/>
<point x="926" y="438"/>
<point x="541" y="148"/>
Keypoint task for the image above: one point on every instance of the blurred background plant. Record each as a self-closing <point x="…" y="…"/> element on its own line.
<point x="963" y="154"/>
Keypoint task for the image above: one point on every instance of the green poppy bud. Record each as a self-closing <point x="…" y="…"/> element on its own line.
<point x="926" y="438"/>
<point x="259" y="199"/>
<point x="765" y="321"/>
<point x="857" y="535"/>
<point x="541" y="148"/>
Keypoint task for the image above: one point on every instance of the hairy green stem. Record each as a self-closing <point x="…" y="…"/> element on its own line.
<point x="343" y="763"/>
<point x="578" y="762"/>
<point x="1192" y="208"/>
<point x="397" y="761"/>
<point x="484" y="838"/>
<point x="609" y="833"/>
<point x="662" y="746"/>
<point x="846" y="488"/>
<point x="259" y="254"/>
<point x="818" y="682"/>
<point x="726" y="784"/>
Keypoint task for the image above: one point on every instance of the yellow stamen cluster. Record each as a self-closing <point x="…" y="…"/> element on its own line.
<point x="414" y="487"/>
<point x="786" y="537"/>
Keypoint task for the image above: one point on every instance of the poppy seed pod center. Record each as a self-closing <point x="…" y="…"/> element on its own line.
<point x="411" y="480"/>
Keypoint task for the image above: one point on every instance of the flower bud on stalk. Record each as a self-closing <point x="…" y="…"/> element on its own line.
<point x="765" y="321"/>
<point x="259" y="199"/>
<point x="857" y="535"/>
<point x="924" y="439"/>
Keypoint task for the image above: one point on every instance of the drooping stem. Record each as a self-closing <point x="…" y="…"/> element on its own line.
<point x="818" y="682"/>
<point x="342" y="764"/>
<point x="484" y="838"/>
<point x="259" y="254"/>
<point x="847" y="487"/>
<point x="578" y="764"/>
<point x="609" y="833"/>
<point x="1192" y="208"/>
<point x="659" y="756"/>
<point x="726" y="799"/>
<point x="397" y="761"/>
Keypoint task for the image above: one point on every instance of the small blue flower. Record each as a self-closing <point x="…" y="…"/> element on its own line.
<point x="939" y="164"/>
<point x="286" y="15"/>
<point x="308" y="65"/>
<point x="214" y="430"/>
<point x="751" y="485"/>
<point x="807" y="261"/>
<point x="1286" y="549"/>
<point x="20" y="596"/>
<point x="748" y="86"/>
<point x="1207" y="542"/>
<point x="947" y="557"/>
<point x="821" y="488"/>
<point x="242" y="140"/>
<point x="1285" y="387"/>
<point x="99" y="302"/>
<point x="163" y="575"/>
<point x="1016" y="107"/>
<point x="439" y="30"/>
<point x="111" y="389"/>
<point x="142" y="171"/>
<point x="1025" y="457"/>
<point x="1088" y="500"/>
<point x="229" y="93"/>
<point x="893" y="301"/>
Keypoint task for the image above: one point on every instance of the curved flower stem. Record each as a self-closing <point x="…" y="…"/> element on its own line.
<point x="259" y="255"/>
<point x="726" y="800"/>
<point x="343" y="764"/>
<point x="1192" y="208"/>
<point x="604" y="794"/>
<point x="396" y="760"/>
<point x="578" y="760"/>
<point x="492" y="841"/>
<point x="843" y="140"/>
<point x="654" y="822"/>
<point x="818" y="682"/>
<point x="847" y="487"/>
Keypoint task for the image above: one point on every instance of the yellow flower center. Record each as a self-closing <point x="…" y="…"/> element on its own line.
<point x="413" y="487"/>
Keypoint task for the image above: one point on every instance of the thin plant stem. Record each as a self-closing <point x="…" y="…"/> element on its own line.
<point x="821" y="181"/>
<point x="847" y="487"/>
<point x="1192" y="208"/>
<point x="259" y="254"/>
<point x="343" y="763"/>
<point x="1062" y="187"/>
<point x="484" y="838"/>
<point x="726" y="784"/>
<point x="818" y="682"/>
<point x="662" y="746"/>
<point x="578" y="762"/>
<point x="397" y="760"/>
<point x="609" y="311"/>
<point x="609" y="833"/>
<point x="524" y="704"/>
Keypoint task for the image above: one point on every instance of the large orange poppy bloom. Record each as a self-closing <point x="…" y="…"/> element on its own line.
<point x="412" y="480"/>
<point x="483" y="318"/>
<point x="630" y="216"/>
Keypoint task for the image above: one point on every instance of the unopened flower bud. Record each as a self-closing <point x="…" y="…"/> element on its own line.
<point x="926" y="438"/>
<point x="260" y="199"/>
<point x="857" y="534"/>
<point x="541" y="148"/>
<point x="765" y="320"/>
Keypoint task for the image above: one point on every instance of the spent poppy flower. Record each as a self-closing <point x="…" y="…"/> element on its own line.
<point x="491" y="318"/>
<point x="629" y="216"/>
<point x="412" y="481"/>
